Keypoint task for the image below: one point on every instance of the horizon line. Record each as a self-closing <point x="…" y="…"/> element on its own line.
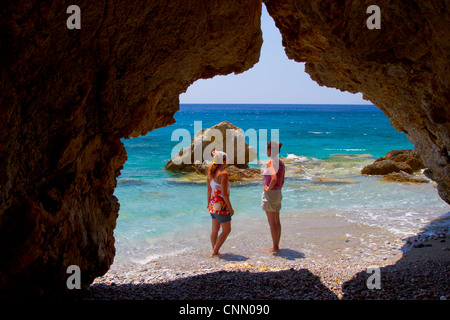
<point x="257" y="103"/>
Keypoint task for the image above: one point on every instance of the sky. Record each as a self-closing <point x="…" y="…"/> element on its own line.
<point x="274" y="80"/>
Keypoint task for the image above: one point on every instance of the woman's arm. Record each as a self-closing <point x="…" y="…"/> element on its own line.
<point x="208" y="193"/>
<point x="273" y="181"/>
<point x="226" y="191"/>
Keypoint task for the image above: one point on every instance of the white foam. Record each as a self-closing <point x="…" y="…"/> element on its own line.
<point x="296" y="158"/>
<point x="154" y="257"/>
<point x="341" y="149"/>
<point x="401" y="221"/>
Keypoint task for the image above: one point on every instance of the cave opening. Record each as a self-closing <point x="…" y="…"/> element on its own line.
<point x="328" y="137"/>
<point x="69" y="95"/>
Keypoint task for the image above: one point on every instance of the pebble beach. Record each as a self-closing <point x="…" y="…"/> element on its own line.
<point x="336" y="222"/>
<point x="321" y="258"/>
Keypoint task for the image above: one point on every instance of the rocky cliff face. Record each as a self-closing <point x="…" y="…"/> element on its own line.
<point x="68" y="96"/>
<point x="403" y="68"/>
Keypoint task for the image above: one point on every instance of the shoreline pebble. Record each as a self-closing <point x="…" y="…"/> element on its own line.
<point x="417" y="273"/>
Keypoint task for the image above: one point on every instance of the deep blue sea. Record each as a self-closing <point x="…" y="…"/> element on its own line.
<point x="319" y="141"/>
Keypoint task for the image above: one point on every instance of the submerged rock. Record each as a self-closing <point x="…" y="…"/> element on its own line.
<point x="243" y="174"/>
<point x="334" y="180"/>
<point x="197" y="174"/>
<point x="402" y="176"/>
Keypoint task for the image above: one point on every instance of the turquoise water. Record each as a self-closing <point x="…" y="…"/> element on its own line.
<point x="325" y="141"/>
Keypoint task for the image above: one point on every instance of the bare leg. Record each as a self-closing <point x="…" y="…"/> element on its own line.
<point x="226" y="229"/>
<point x="275" y="229"/>
<point x="214" y="232"/>
<point x="277" y="217"/>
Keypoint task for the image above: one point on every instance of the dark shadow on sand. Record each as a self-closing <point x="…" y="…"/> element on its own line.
<point x="289" y="254"/>
<point x="414" y="277"/>
<point x="233" y="257"/>
<point x="222" y="285"/>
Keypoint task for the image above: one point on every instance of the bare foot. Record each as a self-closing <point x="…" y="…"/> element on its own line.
<point x="272" y="250"/>
<point x="218" y="254"/>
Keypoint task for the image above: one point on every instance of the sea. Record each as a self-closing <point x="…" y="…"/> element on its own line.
<point x="324" y="146"/>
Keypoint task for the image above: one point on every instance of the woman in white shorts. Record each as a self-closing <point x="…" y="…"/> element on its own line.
<point x="271" y="197"/>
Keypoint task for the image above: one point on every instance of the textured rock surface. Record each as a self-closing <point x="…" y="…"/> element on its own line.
<point x="197" y="157"/>
<point x="404" y="177"/>
<point x="403" y="68"/>
<point x="223" y="136"/>
<point x="68" y="96"/>
<point x="410" y="157"/>
<point x="386" y="166"/>
<point x="407" y="161"/>
<point x="235" y="174"/>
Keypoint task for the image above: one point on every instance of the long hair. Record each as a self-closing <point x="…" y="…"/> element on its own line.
<point x="214" y="167"/>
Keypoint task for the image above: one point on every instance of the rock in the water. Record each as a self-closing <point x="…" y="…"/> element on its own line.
<point x="408" y="156"/>
<point x="382" y="167"/>
<point x="402" y="176"/>
<point x="223" y="136"/>
<point x="236" y="174"/>
<point x="334" y="180"/>
<point x="395" y="161"/>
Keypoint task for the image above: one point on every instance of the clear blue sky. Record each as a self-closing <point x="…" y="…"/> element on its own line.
<point x="274" y="79"/>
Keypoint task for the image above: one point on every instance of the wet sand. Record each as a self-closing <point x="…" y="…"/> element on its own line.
<point x="321" y="257"/>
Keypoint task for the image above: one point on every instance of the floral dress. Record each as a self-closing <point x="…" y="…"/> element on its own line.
<point x="217" y="204"/>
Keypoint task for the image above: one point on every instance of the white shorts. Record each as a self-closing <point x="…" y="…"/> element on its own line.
<point x="271" y="200"/>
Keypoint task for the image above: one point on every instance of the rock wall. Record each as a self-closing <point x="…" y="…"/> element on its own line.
<point x="403" y="68"/>
<point x="68" y="96"/>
